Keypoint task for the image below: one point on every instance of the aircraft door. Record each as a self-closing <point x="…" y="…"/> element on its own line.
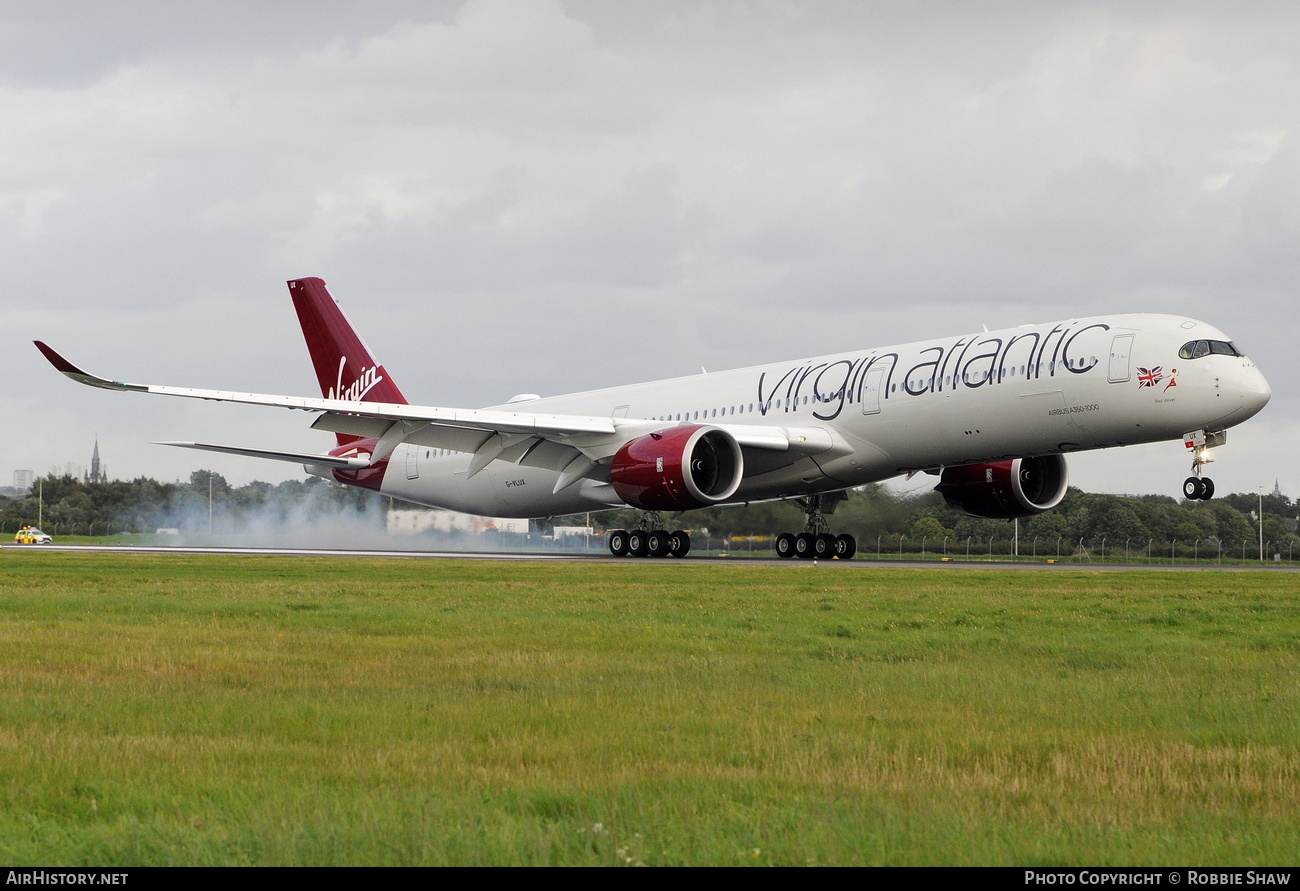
<point x="412" y="461"/>
<point x="1121" y="348"/>
<point x="871" y="388"/>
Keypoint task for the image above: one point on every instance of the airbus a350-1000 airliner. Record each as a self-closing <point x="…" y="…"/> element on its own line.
<point x="991" y="414"/>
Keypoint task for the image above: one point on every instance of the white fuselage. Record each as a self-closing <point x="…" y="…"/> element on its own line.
<point x="1034" y="390"/>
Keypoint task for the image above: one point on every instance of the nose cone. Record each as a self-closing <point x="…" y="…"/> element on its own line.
<point x="1251" y="390"/>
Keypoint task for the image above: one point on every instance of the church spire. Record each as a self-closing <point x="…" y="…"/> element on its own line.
<point x="95" y="475"/>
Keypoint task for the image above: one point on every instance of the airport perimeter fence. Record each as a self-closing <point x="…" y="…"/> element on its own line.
<point x="895" y="548"/>
<point x="11" y="527"/>
<point x="891" y="547"/>
<point x="1200" y="552"/>
<point x="1197" y="552"/>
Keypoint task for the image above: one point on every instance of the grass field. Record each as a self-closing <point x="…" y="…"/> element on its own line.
<point x="264" y="710"/>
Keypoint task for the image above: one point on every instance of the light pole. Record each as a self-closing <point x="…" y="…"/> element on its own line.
<point x="1261" y="524"/>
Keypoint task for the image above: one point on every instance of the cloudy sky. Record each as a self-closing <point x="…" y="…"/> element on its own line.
<point x="552" y="195"/>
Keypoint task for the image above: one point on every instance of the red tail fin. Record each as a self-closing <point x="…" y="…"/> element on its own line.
<point x="344" y="366"/>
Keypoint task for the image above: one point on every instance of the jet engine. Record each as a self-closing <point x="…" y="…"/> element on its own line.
<point x="371" y="477"/>
<point x="678" y="468"/>
<point x="1004" y="490"/>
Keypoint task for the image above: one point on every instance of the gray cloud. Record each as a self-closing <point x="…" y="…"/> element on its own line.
<point x="553" y="196"/>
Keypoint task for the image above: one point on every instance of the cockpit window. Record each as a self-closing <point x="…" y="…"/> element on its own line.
<point x="1197" y="349"/>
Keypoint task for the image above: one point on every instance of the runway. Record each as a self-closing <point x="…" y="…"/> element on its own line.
<point x="292" y="552"/>
<point x="860" y="563"/>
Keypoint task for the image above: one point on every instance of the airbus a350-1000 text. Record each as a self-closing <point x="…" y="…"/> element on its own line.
<point x="992" y="414"/>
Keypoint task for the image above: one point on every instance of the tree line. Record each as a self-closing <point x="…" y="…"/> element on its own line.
<point x="883" y="520"/>
<point x="879" y="518"/>
<point x="68" y="506"/>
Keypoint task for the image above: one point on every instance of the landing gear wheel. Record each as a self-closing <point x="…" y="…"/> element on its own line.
<point x="803" y="545"/>
<point x="785" y="545"/>
<point x="617" y="541"/>
<point x="1207" y="489"/>
<point x="824" y="546"/>
<point x="1193" y="489"/>
<point x="679" y="544"/>
<point x="657" y="543"/>
<point x="845" y="546"/>
<point x="637" y="545"/>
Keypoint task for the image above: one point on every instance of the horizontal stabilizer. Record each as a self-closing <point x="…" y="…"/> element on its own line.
<point x="293" y="457"/>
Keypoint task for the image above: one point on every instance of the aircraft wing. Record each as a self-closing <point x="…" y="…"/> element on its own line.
<point x="570" y="444"/>
<point x="506" y="422"/>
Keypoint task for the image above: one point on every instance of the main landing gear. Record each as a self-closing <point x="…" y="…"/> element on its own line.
<point x="1197" y="487"/>
<point x="649" y="539"/>
<point x="816" y="539"/>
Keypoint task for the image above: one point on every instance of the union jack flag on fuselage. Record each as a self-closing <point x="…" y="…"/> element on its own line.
<point x="1149" y="377"/>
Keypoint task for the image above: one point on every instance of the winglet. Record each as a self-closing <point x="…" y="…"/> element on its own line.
<point x="69" y="370"/>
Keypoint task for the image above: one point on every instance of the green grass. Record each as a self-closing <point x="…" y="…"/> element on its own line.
<point x="183" y="709"/>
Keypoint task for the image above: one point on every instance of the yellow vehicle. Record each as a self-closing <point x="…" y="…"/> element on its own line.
<point x="32" y="535"/>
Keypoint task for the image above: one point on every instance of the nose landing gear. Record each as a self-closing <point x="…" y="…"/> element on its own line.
<point x="1197" y="487"/>
<point x="816" y="540"/>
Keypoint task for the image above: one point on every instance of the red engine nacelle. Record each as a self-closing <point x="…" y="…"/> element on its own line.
<point x="1004" y="490"/>
<point x="371" y="477"/>
<point x="678" y="468"/>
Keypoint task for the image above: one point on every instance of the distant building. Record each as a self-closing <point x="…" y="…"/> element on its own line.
<point x="1277" y="488"/>
<point x="69" y="469"/>
<point x="23" y="480"/>
<point x="412" y="522"/>
<point x="96" y="474"/>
